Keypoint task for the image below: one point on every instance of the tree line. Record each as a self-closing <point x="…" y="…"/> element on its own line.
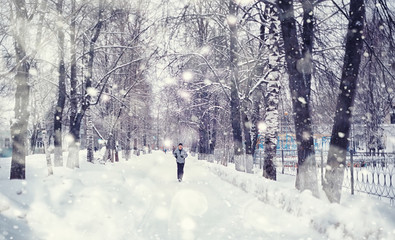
<point x="217" y="74"/>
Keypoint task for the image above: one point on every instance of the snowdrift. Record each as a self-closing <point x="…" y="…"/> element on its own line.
<point x="357" y="217"/>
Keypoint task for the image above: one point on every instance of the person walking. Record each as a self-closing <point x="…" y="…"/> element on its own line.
<point x="180" y="154"/>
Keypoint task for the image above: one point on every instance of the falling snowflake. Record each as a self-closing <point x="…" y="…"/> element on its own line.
<point x="92" y="92"/>
<point x="302" y="100"/>
<point x="231" y="20"/>
<point x="187" y="76"/>
<point x="170" y="81"/>
<point x="262" y="126"/>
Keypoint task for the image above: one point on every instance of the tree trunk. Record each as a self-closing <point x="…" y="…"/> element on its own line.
<point x="107" y="154"/>
<point x="111" y="149"/>
<point x="45" y="141"/>
<point x="89" y="136"/>
<point x="74" y="147"/>
<point x="213" y="135"/>
<point x="271" y="120"/>
<point x="254" y="122"/>
<point x="235" y="114"/>
<point x="248" y="158"/>
<point x="214" y="125"/>
<point x="33" y="138"/>
<point x="247" y="131"/>
<point x="74" y="124"/>
<point x="34" y="65"/>
<point x="299" y="70"/>
<point x="336" y="163"/>
<point x="271" y="93"/>
<point x="76" y="116"/>
<point x="58" y="158"/>
<point x="372" y="122"/>
<point x="22" y="93"/>
<point x="127" y="148"/>
<point x="135" y="148"/>
<point x="204" y="125"/>
<point x="256" y="99"/>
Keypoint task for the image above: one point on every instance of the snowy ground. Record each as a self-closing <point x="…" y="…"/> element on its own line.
<point x="141" y="199"/>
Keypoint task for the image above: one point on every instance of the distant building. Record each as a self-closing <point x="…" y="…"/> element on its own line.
<point x="359" y="137"/>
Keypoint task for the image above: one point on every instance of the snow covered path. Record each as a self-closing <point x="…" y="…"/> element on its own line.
<point x="138" y="199"/>
<point x="205" y="207"/>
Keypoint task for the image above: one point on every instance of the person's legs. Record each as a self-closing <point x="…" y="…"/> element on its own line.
<point x="180" y="171"/>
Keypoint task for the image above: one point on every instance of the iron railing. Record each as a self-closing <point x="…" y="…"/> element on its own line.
<point x="365" y="172"/>
<point x="371" y="174"/>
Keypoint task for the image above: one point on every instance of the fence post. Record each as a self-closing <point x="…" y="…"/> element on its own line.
<point x="352" y="171"/>
<point x="282" y="160"/>
<point x="322" y="166"/>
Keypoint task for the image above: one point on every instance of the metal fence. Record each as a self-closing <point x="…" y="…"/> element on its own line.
<point x="371" y="174"/>
<point x="286" y="163"/>
<point x="365" y="172"/>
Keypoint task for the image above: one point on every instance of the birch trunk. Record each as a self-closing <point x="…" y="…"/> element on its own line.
<point x="336" y="163"/>
<point x="271" y="91"/>
<point x="271" y="120"/>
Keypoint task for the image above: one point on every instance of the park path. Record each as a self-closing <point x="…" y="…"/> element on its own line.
<point x="205" y="207"/>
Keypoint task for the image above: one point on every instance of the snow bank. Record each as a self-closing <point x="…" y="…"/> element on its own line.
<point x="357" y="217"/>
<point x="69" y="205"/>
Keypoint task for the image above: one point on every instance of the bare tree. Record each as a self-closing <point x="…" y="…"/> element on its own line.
<point x="234" y="92"/>
<point x="75" y="123"/>
<point x="22" y="93"/>
<point x="58" y="117"/>
<point x="336" y="162"/>
<point x="299" y="67"/>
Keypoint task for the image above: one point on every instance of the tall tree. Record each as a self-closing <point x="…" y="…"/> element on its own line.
<point x="35" y="67"/>
<point x="234" y="92"/>
<point x="299" y="68"/>
<point x="75" y="123"/>
<point x="73" y="72"/>
<point x="58" y="117"/>
<point x="375" y="96"/>
<point x="336" y="162"/>
<point x="22" y="93"/>
<point x="271" y="93"/>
